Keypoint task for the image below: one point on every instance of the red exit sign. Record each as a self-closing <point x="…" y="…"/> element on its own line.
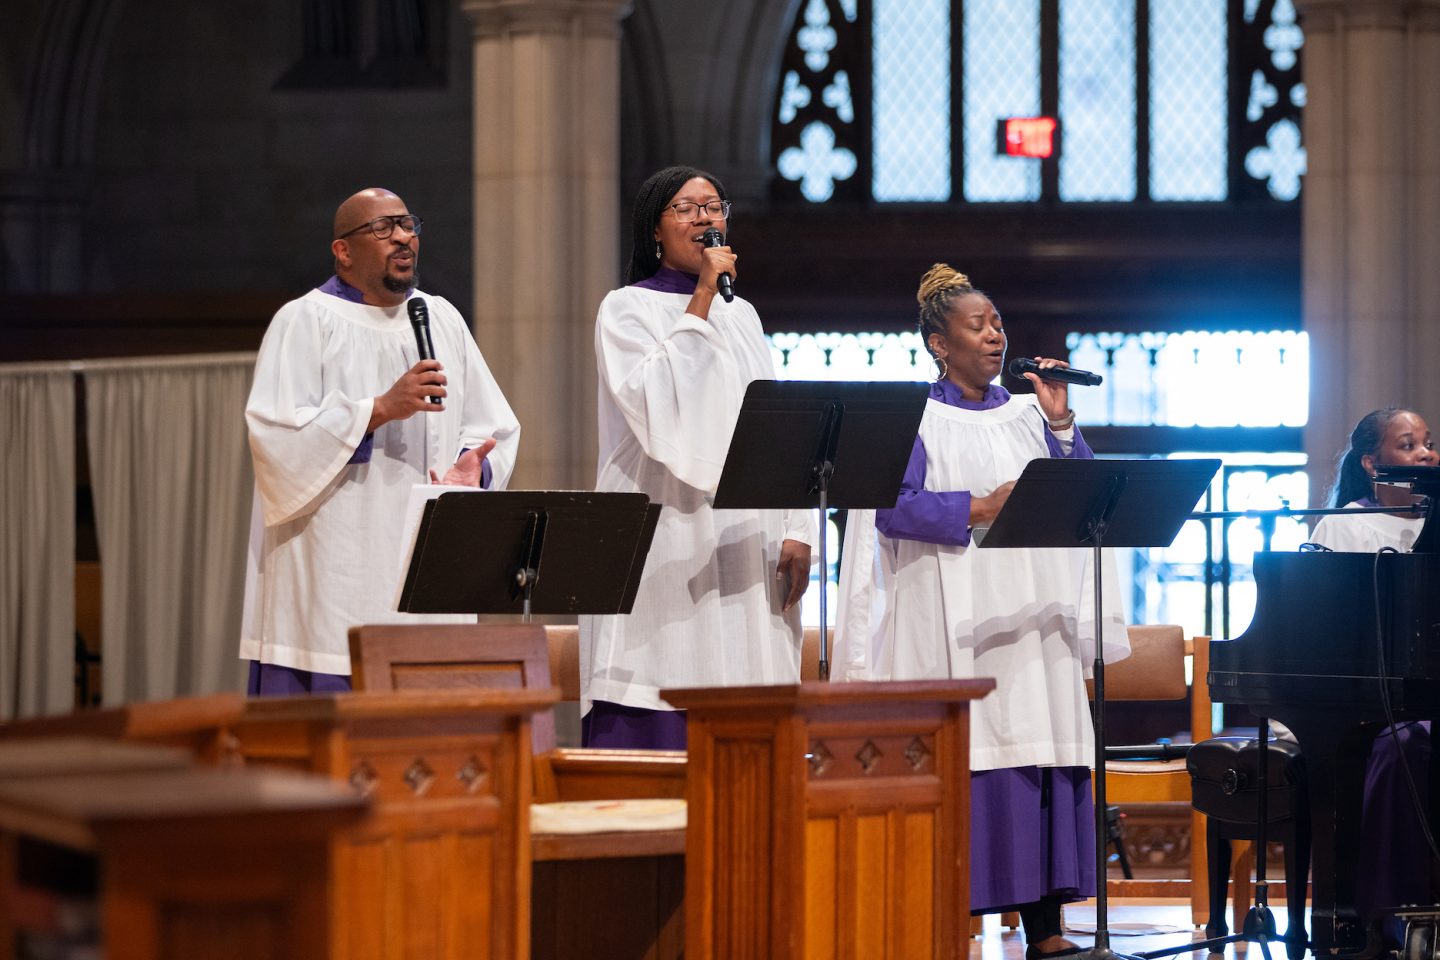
<point x="1036" y="137"/>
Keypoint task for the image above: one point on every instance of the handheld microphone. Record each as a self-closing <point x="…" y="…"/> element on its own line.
<point x="725" y="284"/>
<point x="1084" y="378"/>
<point x="420" y="320"/>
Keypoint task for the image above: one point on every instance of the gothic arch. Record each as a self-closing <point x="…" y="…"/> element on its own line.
<point x="64" y="82"/>
<point x="45" y="194"/>
<point x="699" y="83"/>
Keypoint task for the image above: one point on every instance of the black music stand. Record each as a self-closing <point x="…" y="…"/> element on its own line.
<point x="1095" y="503"/>
<point x="1424" y="481"/>
<point x="482" y="552"/>
<point x="821" y="444"/>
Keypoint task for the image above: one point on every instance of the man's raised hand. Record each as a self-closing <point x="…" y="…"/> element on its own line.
<point x="467" y="470"/>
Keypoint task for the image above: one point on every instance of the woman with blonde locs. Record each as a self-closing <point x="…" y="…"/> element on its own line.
<point x="919" y="601"/>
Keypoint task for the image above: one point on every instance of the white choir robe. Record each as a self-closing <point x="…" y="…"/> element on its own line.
<point x="1366" y="532"/>
<point x="912" y="610"/>
<point x="326" y="546"/>
<point x="708" y="608"/>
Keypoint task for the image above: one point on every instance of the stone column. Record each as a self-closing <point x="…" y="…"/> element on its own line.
<point x="1371" y="234"/>
<point x="547" y="227"/>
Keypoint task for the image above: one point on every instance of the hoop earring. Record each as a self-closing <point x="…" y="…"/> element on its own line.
<point x="944" y="369"/>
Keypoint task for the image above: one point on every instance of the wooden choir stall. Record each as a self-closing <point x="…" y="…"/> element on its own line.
<point x="152" y="857"/>
<point x="828" y="820"/>
<point x="439" y="867"/>
<point x="824" y="820"/>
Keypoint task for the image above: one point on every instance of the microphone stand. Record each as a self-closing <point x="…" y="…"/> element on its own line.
<point x="1094" y="531"/>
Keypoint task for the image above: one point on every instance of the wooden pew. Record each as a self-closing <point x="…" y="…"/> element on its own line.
<point x="438" y="868"/>
<point x="595" y="895"/>
<point x="204" y="726"/>
<point x="191" y="861"/>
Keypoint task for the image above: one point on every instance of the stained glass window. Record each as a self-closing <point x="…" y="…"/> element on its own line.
<point x="1168" y="379"/>
<point x="1002" y="79"/>
<point x="1188" y="89"/>
<point x="1097" y="99"/>
<point x="869" y="96"/>
<point x="910" y="41"/>
<point x="817" y="137"/>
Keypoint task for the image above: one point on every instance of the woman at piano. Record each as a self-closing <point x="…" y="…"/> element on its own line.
<point x="1388" y="437"/>
<point x="918" y="601"/>
<point x="1397" y="867"/>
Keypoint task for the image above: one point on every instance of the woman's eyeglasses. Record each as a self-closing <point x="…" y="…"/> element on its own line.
<point x="687" y="212"/>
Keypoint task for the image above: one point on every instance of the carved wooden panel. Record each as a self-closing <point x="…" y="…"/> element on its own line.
<point x="884" y="890"/>
<point x="400" y="774"/>
<point x="901" y="755"/>
<point x="831" y="821"/>
<point x="742" y="848"/>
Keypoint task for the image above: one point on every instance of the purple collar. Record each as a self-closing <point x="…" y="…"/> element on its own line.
<point x="948" y="393"/>
<point x="667" y="280"/>
<point x="339" y="288"/>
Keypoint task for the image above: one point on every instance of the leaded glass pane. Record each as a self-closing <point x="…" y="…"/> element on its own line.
<point x="1167" y="379"/>
<point x="1188" y="89"/>
<point x="1097" y="99"/>
<point x="910" y="40"/>
<point x="850" y="356"/>
<point x="821" y="99"/>
<point x="1265" y="49"/>
<point x="817" y="163"/>
<point x="1281" y="162"/>
<point x="1169" y="582"/>
<point x="1002" y="79"/>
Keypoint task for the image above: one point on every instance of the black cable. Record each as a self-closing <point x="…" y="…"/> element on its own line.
<point x="1414" y="791"/>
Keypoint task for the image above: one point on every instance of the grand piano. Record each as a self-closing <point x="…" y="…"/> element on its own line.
<point x="1334" y="636"/>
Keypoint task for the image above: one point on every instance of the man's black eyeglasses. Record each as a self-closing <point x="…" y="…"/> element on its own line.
<point x="382" y="227"/>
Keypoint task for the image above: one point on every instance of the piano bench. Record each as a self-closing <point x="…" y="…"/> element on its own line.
<point x="1223" y="788"/>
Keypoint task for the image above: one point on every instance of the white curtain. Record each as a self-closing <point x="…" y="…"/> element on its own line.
<point x="37" y="539"/>
<point x="170" y="469"/>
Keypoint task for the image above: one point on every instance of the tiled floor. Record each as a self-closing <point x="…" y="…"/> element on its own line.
<point x="1167" y="923"/>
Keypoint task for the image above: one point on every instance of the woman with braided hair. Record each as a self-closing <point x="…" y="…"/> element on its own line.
<point x="1387" y="437"/>
<point x="919" y="601"/>
<point x="718" y="603"/>
<point x="1397" y="868"/>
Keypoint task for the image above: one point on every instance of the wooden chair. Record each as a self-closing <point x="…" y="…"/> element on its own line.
<point x="1155" y="670"/>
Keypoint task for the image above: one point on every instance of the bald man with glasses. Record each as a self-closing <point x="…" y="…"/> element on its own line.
<point x="342" y="426"/>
